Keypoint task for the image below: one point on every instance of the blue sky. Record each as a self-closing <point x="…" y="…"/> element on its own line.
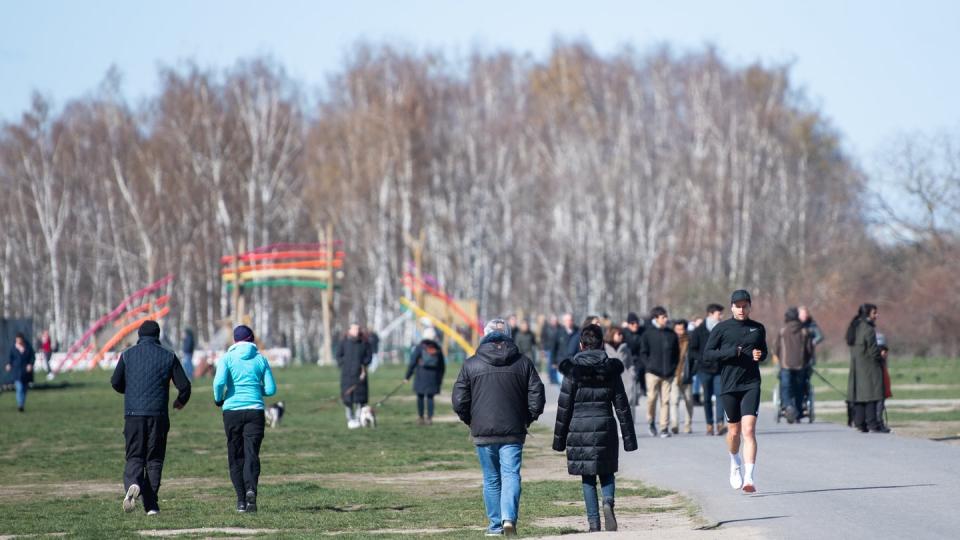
<point x="875" y="68"/>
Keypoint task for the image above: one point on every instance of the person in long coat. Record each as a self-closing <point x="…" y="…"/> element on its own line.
<point x="20" y="365"/>
<point x="427" y="366"/>
<point x="353" y="357"/>
<point x="865" y="382"/>
<point x="592" y="390"/>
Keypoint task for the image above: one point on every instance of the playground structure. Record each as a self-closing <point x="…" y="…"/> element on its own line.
<point x="124" y="320"/>
<point x="301" y="265"/>
<point x="430" y="302"/>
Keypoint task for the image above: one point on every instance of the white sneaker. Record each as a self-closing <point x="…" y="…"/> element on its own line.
<point x="736" y="479"/>
<point x="130" y="499"/>
<point x="153" y="512"/>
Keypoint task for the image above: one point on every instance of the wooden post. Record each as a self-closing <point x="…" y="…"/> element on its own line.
<point x="326" y="295"/>
<point x="238" y="299"/>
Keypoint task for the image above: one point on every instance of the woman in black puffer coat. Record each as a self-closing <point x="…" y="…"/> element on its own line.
<point x="592" y="390"/>
<point x="427" y="365"/>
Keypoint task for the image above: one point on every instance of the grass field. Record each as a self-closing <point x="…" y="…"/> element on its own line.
<point x="61" y="466"/>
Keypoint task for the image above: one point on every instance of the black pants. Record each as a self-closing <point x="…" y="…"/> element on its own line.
<point x="865" y="415"/>
<point x="429" y="400"/>
<point x="146" y="438"/>
<point x="244" y="431"/>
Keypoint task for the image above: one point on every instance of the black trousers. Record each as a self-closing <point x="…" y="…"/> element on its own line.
<point x="865" y="415"/>
<point x="244" y="431"/>
<point x="146" y="438"/>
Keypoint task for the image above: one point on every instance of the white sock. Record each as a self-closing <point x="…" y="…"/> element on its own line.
<point x="735" y="460"/>
<point x="748" y="476"/>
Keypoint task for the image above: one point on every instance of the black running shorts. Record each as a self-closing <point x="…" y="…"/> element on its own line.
<point x="736" y="405"/>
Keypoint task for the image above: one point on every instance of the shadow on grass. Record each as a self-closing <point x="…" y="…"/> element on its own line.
<point x="860" y="488"/>
<point x="356" y="508"/>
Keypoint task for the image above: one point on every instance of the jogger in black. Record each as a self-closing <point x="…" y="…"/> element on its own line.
<point x="143" y="376"/>
<point x="739" y="345"/>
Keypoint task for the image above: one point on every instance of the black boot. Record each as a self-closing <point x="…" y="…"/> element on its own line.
<point x="594" y="524"/>
<point x="609" y="519"/>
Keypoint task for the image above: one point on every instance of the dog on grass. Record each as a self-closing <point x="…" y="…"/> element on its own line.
<point x="275" y="414"/>
<point x="368" y="416"/>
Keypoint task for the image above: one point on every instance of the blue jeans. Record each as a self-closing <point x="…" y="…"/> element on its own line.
<point x="607" y="487"/>
<point x="711" y="387"/>
<point x="501" y="482"/>
<point x="791" y="389"/>
<point x="552" y="372"/>
<point x="21" y="388"/>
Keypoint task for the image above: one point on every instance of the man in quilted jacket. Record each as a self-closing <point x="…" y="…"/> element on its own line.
<point x="143" y="376"/>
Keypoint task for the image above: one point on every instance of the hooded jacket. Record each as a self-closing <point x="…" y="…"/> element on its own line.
<point x="592" y="390"/>
<point x="794" y="346"/>
<point x="243" y="378"/>
<point x="498" y="393"/>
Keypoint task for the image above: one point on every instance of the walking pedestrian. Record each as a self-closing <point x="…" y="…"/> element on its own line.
<point x="498" y="394"/>
<point x="243" y="378"/>
<point x="739" y="345"/>
<point x="592" y="391"/>
<point x="865" y="382"/>
<point x="660" y="355"/>
<point x="20" y="365"/>
<point x="527" y="342"/>
<point x="567" y="331"/>
<point x="353" y="358"/>
<point x="427" y="366"/>
<point x="708" y="370"/>
<point x="631" y="335"/>
<point x="616" y="347"/>
<point x="46" y="350"/>
<point x="188" y="346"/>
<point x="682" y="383"/>
<point x="143" y="376"/>
<point x="793" y="350"/>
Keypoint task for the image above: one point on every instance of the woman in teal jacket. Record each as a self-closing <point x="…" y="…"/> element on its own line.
<point x="243" y="378"/>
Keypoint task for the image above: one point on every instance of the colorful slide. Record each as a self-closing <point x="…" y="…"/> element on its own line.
<point x="125" y="331"/>
<point x="440" y="325"/>
<point x="70" y="360"/>
<point x="410" y="281"/>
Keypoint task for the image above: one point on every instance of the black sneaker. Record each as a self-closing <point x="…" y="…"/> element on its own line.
<point x="881" y="429"/>
<point x="251" y="501"/>
<point x="665" y="434"/>
<point x="653" y="429"/>
<point x="609" y="519"/>
<point x="791" y="414"/>
<point x="241" y="506"/>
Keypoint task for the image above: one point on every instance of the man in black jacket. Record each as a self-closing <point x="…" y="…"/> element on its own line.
<point x="143" y="376"/>
<point x="708" y="371"/>
<point x="631" y="336"/>
<point x="499" y="394"/>
<point x="660" y="354"/>
<point x="739" y="345"/>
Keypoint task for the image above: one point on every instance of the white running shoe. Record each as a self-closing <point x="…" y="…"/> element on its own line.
<point x="736" y="479"/>
<point x="130" y="499"/>
<point x="153" y="512"/>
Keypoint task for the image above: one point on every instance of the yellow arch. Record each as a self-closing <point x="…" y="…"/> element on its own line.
<point x="440" y="326"/>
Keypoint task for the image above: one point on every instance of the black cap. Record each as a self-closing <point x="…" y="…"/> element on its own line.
<point x="242" y="333"/>
<point x="149" y="328"/>
<point x="632" y="318"/>
<point x="739" y="295"/>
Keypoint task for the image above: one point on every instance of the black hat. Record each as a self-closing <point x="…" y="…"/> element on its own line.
<point x="242" y="333"/>
<point x="632" y="318"/>
<point x="149" y="328"/>
<point x="739" y="295"/>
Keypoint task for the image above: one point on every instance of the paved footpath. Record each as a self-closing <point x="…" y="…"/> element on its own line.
<point x="814" y="480"/>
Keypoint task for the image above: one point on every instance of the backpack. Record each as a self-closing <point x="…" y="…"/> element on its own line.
<point x="429" y="360"/>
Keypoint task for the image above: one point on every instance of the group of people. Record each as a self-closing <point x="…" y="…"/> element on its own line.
<point x="499" y="393"/>
<point x="143" y="375"/>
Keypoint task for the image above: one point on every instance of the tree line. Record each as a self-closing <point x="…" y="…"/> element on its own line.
<point x="578" y="182"/>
